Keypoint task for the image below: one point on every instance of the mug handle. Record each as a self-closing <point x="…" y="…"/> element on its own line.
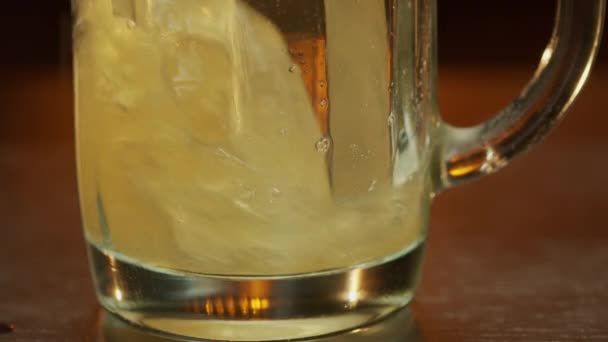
<point x="466" y="153"/>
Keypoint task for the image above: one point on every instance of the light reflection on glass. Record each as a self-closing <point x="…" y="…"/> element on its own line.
<point x="583" y="78"/>
<point x="544" y="60"/>
<point x="354" y="283"/>
<point x="118" y="294"/>
<point x="117" y="291"/>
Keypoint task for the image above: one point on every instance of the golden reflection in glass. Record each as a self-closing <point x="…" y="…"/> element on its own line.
<point x="462" y="170"/>
<point x="582" y="80"/>
<point x="116" y="288"/>
<point x="118" y="294"/>
<point x="353" y="293"/>
<point x="230" y="306"/>
<point x="546" y="57"/>
<point x="244" y="305"/>
<point x="309" y="54"/>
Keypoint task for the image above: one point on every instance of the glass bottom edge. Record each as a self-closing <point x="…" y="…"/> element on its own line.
<point x="197" y="307"/>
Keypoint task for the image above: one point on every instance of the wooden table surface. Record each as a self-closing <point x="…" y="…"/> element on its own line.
<point x="518" y="256"/>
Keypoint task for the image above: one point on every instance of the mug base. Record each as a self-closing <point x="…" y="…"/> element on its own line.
<point x="196" y="306"/>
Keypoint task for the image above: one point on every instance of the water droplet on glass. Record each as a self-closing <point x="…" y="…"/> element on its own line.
<point x="323" y="145"/>
<point x="323" y="103"/>
<point x="131" y="24"/>
<point x="293" y="68"/>
<point x="322" y="84"/>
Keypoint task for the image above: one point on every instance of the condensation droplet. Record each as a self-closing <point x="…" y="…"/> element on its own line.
<point x="293" y="68"/>
<point x="131" y="24"/>
<point x="323" y="103"/>
<point x="322" y="84"/>
<point x="323" y="145"/>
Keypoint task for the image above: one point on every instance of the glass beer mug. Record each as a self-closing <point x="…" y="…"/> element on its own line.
<point x="263" y="169"/>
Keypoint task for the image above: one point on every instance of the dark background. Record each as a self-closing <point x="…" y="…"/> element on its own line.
<point x="470" y="31"/>
<point x="35" y="38"/>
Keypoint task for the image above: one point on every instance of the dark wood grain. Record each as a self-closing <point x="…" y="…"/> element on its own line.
<point x="518" y="256"/>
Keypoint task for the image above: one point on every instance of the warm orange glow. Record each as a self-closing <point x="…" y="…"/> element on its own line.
<point x="255" y="305"/>
<point x="265" y="303"/>
<point x="463" y="170"/>
<point x="244" y="304"/>
<point x="219" y="306"/>
<point x="209" y="307"/>
<point x="309" y="54"/>
<point x="230" y="307"/>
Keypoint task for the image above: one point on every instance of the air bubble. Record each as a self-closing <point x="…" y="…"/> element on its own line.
<point x="323" y="145"/>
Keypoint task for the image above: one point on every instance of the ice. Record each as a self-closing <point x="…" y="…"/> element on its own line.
<point x="201" y="141"/>
<point x="192" y="145"/>
<point x="357" y="69"/>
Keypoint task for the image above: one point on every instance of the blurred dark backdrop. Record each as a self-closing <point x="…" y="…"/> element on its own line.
<point x="470" y="31"/>
<point x="36" y="94"/>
